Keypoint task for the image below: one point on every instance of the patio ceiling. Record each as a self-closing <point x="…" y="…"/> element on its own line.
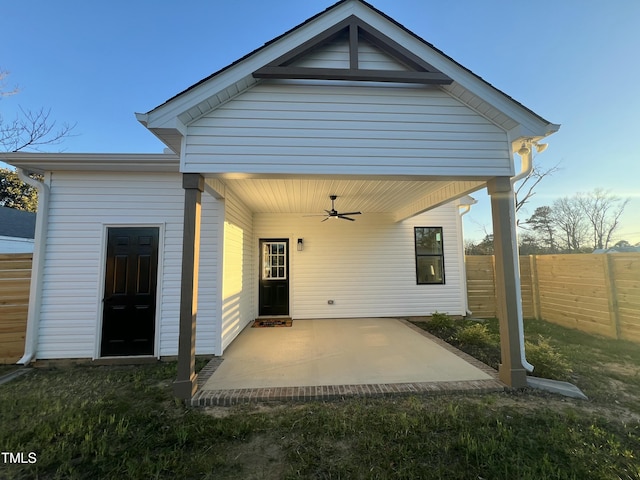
<point x="401" y="198"/>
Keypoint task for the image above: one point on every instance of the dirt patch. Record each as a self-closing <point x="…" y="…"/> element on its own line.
<point x="535" y="400"/>
<point x="248" y="409"/>
<point x="260" y="458"/>
<point x="218" y="412"/>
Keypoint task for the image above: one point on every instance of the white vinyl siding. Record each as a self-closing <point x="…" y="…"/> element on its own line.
<point x="239" y="275"/>
<point x="336" y="55"/>
<point x="308" y="127"/>
<point x="81" y="206"/>
<point x="366" y="267"/>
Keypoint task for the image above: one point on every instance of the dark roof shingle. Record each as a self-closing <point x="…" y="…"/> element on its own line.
<point x="16" y="223"/>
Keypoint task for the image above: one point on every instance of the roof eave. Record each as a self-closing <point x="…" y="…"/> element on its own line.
<point x="104" y="162"/>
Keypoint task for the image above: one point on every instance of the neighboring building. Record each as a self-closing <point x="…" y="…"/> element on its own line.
<point x="140" y="251"/>
<point x="618" y="249"/>
<point x="17" y="230"/>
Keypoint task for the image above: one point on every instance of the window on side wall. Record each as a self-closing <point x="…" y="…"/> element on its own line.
<point x="429" y="255"/>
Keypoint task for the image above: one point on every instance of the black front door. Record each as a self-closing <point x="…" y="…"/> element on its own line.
<point x="128" y="321"/>
<point x="274" y="277"/>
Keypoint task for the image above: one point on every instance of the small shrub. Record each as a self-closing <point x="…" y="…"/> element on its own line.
<point x="441" y="321"/>
<point x="441" y="325"/>
<point x="476" y="335"/>
<point x="548" y="362"/>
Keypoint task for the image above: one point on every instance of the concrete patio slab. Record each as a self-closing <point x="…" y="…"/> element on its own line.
<point x="332" y="357"/>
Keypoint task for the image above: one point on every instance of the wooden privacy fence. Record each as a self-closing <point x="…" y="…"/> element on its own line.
<point x="595" y="293"/>
<point x="15" y="275"/>
<point x="598" y="294"/>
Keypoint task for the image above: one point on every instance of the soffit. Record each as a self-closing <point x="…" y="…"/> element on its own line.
<point x="309" y="196"/>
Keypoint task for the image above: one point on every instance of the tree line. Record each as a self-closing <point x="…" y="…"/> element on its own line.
<point x="579" y="223"/>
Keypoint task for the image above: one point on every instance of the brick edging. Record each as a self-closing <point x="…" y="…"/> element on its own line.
<point x="207" y="398"/>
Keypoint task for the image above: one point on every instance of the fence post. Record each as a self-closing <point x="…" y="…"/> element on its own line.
<point x="612" y="294"/>
<point x="535" y="287"/>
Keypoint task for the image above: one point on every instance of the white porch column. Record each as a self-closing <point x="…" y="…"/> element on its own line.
<point x="185" y="385"/>
<point x="509" y="298"/>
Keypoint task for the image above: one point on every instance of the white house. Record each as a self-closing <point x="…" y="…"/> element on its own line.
<point x="171" y="254"/>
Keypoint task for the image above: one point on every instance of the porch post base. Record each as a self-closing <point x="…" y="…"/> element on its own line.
<point x="513" y="377"/>
<point x="185" y="389"/>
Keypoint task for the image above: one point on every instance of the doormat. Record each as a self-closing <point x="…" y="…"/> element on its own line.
<point x="272" y="322"/>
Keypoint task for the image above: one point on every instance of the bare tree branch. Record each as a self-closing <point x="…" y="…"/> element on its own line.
<point x="569" y="219"/>
<point x="4" y="92"/>
<point x="30" y="129"/>
<point x="525" y="190"/>
<point x="603" y="211"/>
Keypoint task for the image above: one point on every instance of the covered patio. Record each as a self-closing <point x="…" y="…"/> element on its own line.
<point x="323" y="359"/>
<point x="348" y="105"/>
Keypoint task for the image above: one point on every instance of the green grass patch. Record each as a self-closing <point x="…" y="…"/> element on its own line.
<point x="122" y="422"/>
<point x="6" y="369"/>
<point x="454" y="438"/>
<point x="606" y="370"/>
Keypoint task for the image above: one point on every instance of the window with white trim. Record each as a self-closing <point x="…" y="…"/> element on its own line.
<point x="429" y="255"/>
<point x="274" y="261"/>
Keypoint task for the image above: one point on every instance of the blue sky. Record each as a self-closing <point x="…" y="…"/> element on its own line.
<point x="574" y="62"/>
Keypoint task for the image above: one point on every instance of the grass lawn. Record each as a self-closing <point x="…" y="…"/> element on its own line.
<point x="5" y="369"/>
<point x="122" y="422"/>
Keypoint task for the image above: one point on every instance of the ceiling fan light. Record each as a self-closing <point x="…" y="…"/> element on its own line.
<point x="333" y="213"/>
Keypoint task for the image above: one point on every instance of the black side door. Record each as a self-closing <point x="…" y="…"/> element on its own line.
<point x="128" y="321"/>
<point x="274" y="277"/>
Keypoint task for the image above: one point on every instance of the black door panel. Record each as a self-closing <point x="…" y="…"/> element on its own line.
<point x="128" y="321"/>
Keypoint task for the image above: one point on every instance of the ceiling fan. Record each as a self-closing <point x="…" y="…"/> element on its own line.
<point x="333" y="213"/>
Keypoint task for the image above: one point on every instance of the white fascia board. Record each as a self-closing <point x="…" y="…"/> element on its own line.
<point x="150" y="121"/>
<point x="517" y="134"/>
<point x="120" y="162"/>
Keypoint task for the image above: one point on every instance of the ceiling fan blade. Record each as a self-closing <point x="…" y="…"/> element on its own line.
<point x="350" y="213"/>
<point x="316" y="215"/>
<point x="325" y="219"/>
<point x="346" y="218"/>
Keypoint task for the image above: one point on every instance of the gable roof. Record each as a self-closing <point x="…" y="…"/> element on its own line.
<point x="16" y="223"/>
<point x="169" y="119"/>
<point x="353" y="28"/>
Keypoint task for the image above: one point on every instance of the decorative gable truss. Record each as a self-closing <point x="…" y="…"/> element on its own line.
<point x="358" y="34"/>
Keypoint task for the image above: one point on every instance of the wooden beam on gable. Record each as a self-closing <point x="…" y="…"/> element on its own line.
<point x="353" y="29"/>
<point x="353" y="46"/>
<point x="307" y="73"/>
<point x="310" y="45"/>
